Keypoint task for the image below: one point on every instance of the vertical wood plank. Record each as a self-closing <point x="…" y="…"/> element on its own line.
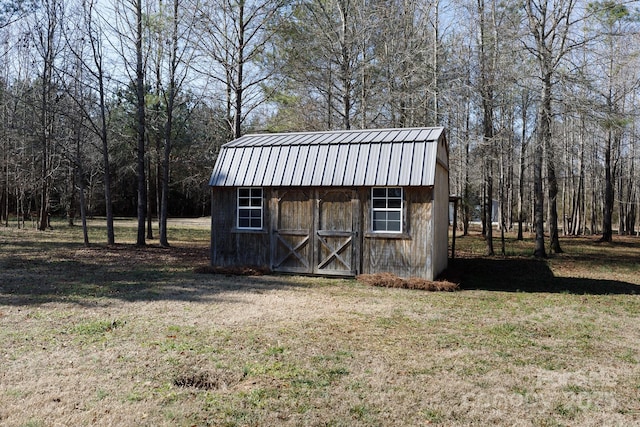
<point x="212" y="245"/>
<point x="316" y="226"/>
<point x="357" y="233"/>
<point x="334" y="235"/>
<point x="273" y="228"/>
<point x="291" y="240"/>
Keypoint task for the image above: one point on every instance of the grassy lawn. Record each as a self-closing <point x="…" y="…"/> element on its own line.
<point x="135" y="337"/>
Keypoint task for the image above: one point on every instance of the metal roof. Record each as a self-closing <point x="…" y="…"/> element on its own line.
<point x="375" y="157"/>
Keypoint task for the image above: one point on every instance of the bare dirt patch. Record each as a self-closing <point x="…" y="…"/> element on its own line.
<point x="216" y="380"/>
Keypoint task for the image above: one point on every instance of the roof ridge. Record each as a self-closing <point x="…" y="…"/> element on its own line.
<point x="317" y="132"/>
<point x="346" y="137"/>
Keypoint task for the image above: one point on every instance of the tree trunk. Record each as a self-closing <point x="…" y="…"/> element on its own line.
<point x="345" y="67"/>
<point x="594" y="203"/>
<point x="622" y="205"/>
<point x="488" y="203"/>
<point x="550" y="24"/>
<point x="539" y="250"/>
<point x="168" y="130"/>
<point x="111" y="240"/>
<point x="487" y="93"/>
<point x="239" y="86"/>
<point x="71" y="194"/>
<point x="523" y="150"/>
<point x="554" y="239"/>
<point x="631" y="194"/>
<point x="552" y="182"/>
<point x="466" y="203"/>
<point x="141" y="123"/>
<point x="149" y="218"/>
<point x="83" y="203"/>
<point x="577" y="213"/>
<point x="607" y="210"/>
<point x="46" y="112"/>
<point x="503" y="204"/>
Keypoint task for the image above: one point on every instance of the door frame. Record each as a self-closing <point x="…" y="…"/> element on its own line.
<point x="278" y="236"/>
<point x="320" y="236"/>
<point x="315" y="236"/>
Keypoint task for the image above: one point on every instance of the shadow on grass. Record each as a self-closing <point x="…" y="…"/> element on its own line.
<point x="527" y="275"/>
<point x="35" y="273"/>
<point x="96" y="275"/>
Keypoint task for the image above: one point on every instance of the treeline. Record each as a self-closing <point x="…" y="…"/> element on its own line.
<point x="119" y="107"/>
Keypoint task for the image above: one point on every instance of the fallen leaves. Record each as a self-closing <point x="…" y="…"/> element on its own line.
<point x="389" y="280"/>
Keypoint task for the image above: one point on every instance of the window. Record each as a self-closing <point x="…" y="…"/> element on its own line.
<point x="386" y="209"/>
<point x="250" y="208"/>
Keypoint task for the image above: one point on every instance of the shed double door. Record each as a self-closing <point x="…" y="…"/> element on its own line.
<point x="315" y="232"/>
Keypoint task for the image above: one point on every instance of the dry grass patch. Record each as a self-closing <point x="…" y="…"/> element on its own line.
<point x="389" y="280"/>
<point x="134" y="336"/>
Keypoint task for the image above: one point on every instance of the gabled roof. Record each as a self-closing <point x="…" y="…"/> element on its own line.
<point x="375" y="157"/>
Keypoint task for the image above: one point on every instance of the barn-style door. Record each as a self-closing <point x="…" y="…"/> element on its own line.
<point x="291" y="242"/>
<point x="335" y="236"/>
<point x="314" y="231"/>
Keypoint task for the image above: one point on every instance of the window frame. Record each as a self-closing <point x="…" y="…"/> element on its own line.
<point x="250" y="208"/>
<point x="399" y="209"/>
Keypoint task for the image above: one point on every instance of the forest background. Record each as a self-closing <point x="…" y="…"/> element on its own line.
<point x="119" y="107"/>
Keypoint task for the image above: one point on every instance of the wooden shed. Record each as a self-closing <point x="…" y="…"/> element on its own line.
<point x="333" y="203"/>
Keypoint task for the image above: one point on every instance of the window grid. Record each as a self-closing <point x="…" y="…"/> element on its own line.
<point x="386" y="209"/>
<point x="249" y="208"/>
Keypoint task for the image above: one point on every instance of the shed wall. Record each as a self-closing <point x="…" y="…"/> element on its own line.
<point x="441" y="221"/>
<point x="420" y="251"/>
<point x="231" y="247"/>
<point x="408" y="254"/>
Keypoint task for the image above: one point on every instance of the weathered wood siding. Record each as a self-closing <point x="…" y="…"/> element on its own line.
<point x="441" y="209"/>
<point x="337" y="212"/>
<point x="232" y="247"/>
<point x="291" y="228"/>
<point x="441" y="221"/>
<point x="313" y="231"/>
<point x="327" y="231"/>
<point x="409" y="253"/>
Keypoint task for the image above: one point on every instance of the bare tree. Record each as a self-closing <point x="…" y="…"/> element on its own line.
<point x="617" y="78"/>
<point x="179" y="59"/>
<point x="406" y="63"/>
<point x="236" y="35"/>
<point x="46" y="31"/>
<point x="86" y="44"/>
<point x="487" y="60"/>
<point x="4" y="140"/>
<point x="549" y="28"/>
<point x="96" y="41"/>
<point x="13" y="10"/>
<point x="129" y="28"/>
<point x="325" y="45"/>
